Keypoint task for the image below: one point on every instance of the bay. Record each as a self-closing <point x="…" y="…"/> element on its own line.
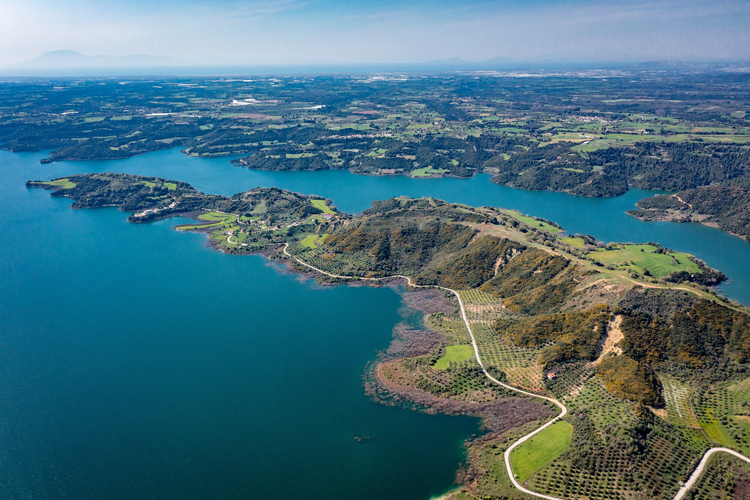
<point x="137" y="363"/>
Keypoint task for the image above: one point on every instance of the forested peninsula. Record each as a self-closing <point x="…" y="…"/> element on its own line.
<point x="724" y="206"/>
<point x="620" y="333"/>
<point x="581" y="134"/>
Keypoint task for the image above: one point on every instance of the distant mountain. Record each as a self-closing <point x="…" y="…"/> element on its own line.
<point x="63" y="59"/>
<point x="59" y="57"/>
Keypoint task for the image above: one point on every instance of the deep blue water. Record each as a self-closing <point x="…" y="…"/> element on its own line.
<point x="137" y="363"/>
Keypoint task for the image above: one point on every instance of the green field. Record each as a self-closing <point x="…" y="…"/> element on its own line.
<point x="593" y="145"/>
<point x="217" y="216"/>
<point x="454" y="353"/>
<point x="427" y="172"/>
<point x="198" y="226"/>
<point x="218" y="219"/>
<point x="570" y="137"/>
<point x="574" y="242"/>
<point x="608" y="140"/>
<point x="312" y="241"/>
<point x="535" y="223"/>
<point x="541" y="449"/>
<point x="638" y="257"/>
<point x="169" y="185"/>
<point x="321" y="204"/>
<point x="63" y="183"/>
<point x="716" y="432"/>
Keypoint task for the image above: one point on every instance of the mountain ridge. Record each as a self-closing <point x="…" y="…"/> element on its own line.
<point x="73" y="59"/>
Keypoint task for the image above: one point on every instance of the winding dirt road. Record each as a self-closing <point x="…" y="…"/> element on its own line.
<point x="564" y="411"/>
<point x="699" y="470"/>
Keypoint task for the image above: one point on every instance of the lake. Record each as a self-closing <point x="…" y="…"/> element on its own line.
<point x="138" y="363"/>
<point x="604" y="218"/>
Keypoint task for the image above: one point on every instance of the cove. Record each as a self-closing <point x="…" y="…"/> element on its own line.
<point x="137" y="363"/>
<point x="604" y="218"/>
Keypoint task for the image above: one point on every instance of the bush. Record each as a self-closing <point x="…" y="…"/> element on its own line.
<point x="626" y="378"/>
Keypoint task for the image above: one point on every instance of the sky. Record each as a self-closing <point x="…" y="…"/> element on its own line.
<point x="287" y="32"/>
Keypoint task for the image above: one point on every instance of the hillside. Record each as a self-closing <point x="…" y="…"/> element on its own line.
<point x="652" y="372"/>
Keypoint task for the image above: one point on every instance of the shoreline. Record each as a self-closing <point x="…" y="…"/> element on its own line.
<point x="666" y="216"/>
<point x="496" y="404"/>
<point x="505" y="413"/>
<point x="659" y="218"/>
<point x="408" y="380"/>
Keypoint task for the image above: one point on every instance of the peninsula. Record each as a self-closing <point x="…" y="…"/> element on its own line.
<point x="583" y="134"/>
<point x="725" y="207"/>
<point x="602" y="370"/>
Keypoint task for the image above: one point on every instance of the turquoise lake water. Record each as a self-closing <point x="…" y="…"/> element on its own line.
<point x="137" y="363"/>
<point x="604" y="218"/>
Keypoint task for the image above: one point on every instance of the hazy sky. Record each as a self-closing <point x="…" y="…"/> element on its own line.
<point x="335" y="31"/>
